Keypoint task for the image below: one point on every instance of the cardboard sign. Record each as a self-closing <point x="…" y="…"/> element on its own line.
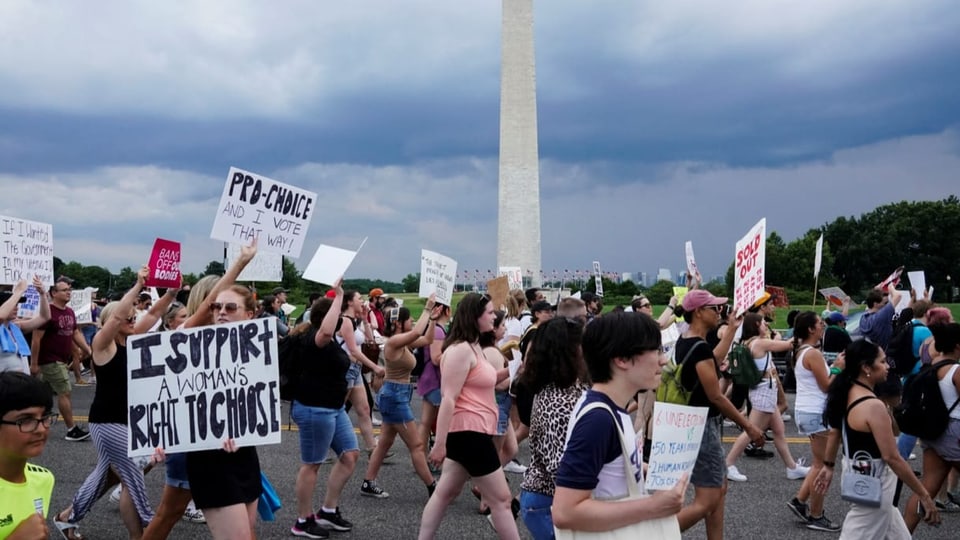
<point x="598" y="278"/>
<point x="677" y="431"/>
<point x="514" y="276"/>
<point x="255" y="206"/>
<point x="330" y="263"/>
<point x="499" y="290"/>
<point x="818" y="257"/>
<point x="748" y="272"/>
<point x="265" y="266"/>
<point x="164" y="265"/>
<point x="29" y="308"/>
<point x="437" y="275"/>
<point x="692" y="262"/>
<point x="80" y="303"/>
<point x="193" y="389"/>
<point x="834" y="295"/>
<point x="26" y="249"/>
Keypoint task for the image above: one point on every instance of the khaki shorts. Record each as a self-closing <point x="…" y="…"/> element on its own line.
<point x="55" y="375"/>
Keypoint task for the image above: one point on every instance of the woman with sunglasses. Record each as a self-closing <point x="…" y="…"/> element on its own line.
<point x="108" y="422"/>
<point x="641" y="304"/>
<point x="467" y="421"/>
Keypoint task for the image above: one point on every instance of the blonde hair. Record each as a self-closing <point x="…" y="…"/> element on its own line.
<point x="513" y="308"/>
<point x="108" y="310"/>
<point x="199" y="293"/>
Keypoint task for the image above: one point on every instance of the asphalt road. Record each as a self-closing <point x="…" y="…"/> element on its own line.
<point x="754" y="510"/>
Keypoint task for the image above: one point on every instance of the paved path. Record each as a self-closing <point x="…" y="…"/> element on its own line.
<point x="754" y="510"/>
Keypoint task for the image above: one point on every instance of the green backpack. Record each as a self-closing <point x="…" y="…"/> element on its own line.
<point x="671" y="390"/>
<point x="743" y="369"/>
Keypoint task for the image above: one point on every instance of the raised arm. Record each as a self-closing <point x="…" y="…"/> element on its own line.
<point x="43" y="313"/>
<point x="103" y="341"/>
<point x="328" y="327"/>
<point x="156" y="312"/>
<point x="8" y="309"/>
<point x="202" y="316"/>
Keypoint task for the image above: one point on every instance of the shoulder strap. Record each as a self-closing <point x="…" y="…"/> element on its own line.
<point x="632" y="489"/>
<point x="684" y="361"/>
<point x="859" y="401"/>
<point x="846" y="445"/>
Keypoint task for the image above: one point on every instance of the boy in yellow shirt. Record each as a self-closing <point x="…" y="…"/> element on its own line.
<point x="25" y="418"/>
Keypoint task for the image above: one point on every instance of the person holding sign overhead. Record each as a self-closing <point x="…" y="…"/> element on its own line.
<point x="623" y="355"/>
<point x="14" y="349"/>
<point x="109" y="424"/>
<point x="467" y="421"/>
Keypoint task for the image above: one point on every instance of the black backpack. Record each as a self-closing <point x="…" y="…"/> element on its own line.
<point x="289" y="364"/>
<point x="900" y="348"/>
<point x="922" y="411"/>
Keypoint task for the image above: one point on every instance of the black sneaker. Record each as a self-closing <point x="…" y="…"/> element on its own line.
<point x="822" y="524"/>
<point x="754" y="452"/>
<point x="76" y="433"/>
<point x="309" y="529"/>
<point x="369" y="488"/>
<point x="333" y="520"/>
<point x="801" y="509"/>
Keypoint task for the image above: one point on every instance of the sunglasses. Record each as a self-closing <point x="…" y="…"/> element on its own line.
<point x="646" y="305"/>
<point x="717" y="308"/>
<point x="174" y="306"/>
<point x="132" y="319"/>
<point x="230" y="307"/>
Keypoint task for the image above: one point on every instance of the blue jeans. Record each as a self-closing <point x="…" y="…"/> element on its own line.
<point x="321" y="429"/>
<point x="535" y="511"/>
<point x="905" y="444"/>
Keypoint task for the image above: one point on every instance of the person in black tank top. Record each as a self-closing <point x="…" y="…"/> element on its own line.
<point x="852" y="403"/>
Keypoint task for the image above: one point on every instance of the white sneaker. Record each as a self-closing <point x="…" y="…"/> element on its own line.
<point x="729" y="423"/>
<point x="734" y="475"/>
<point x="376" y="421"/>
<point x="115" y="495"/>
<point x="912" y="456"/>
<point x="786" y="417"/>
<point x="514" y="467"/>
<point x="798" y="472"/>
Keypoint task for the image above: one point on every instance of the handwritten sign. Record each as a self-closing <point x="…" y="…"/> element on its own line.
<point x="330" y="263"/>
<point x="514" y="276"/>
<point x="28" y="309"/>
<point x="164" y="264"/>
<point x="81" y="303"/>
<point x="193" y="389"/>
<point x="437" y="275"/>
<point x="748" y="272"/>
<point x="677" y="433"/>
<point x="498" y="289"/>
<point x="692" y="262"/>
<point x="598" y="278"/>
<point x="256" y="206"/>
<point x="265" y="266"/>
<point x="26" y="249"/>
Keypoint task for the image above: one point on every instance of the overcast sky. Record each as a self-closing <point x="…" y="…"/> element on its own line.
<point x="659" y="122"/>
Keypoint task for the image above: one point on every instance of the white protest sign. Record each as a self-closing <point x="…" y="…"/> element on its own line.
<point x="256" y="206"/>
<point x="677" y="431"/>
<point x="437" y="275"/>
<point x="598" y="278"/>
<point x="514" y="276"/>
<point x="691" y="262"/>
<point x="80" y="303"/>
<point x="28" y="309"/>
<point x="818" y="257"/>
<point x="330" y="263"/>
<point x="193" y="389"/>
<point x="26" y="249"/>
<point x="918" y="282"/>
<point x="748" y="273"/>
<point x="834" y="295"/>
<point x="265" y="266"/>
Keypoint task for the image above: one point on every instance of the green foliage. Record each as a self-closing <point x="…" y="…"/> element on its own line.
<point x="215" y="268"/>
<point x="660" y="292"/>
<point x="411" y="283"/>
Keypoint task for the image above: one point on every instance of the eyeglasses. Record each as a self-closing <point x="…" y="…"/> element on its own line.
<point x="717" y="308"/>
<point x="230" y="307"/>
<point x="30" y="424"/>
<point x="132" y="319"/>
<point x="646" y="305"/>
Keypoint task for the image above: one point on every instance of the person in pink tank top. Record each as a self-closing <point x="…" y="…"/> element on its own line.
<point x="467" y="421"/>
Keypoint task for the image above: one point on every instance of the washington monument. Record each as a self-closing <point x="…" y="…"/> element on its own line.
<point x="518" y="220"/>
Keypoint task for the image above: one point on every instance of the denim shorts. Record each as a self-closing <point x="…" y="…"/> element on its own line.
<point x="433" y="397"/>
<point x="503" y="405"/>
<point x="176" y="471"/>
<point x="710" y="471"/>
<point x="354" y="377"/>
<point x="809" y="423"/>
<point x="536" y="514"/>
<point x="393" y="400"/>
<point x="321" y="429"/>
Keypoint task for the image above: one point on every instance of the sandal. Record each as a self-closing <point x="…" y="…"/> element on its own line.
<point x="69" y="531"/>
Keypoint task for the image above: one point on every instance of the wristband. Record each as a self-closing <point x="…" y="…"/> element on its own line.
<point x="672" y="308"/>
<point x="834" y="371"/>
<point x="829" y="464"/>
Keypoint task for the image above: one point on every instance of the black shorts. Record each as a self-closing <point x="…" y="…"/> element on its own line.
<point x="474" y="451"/>
<point x="219" y="479"/>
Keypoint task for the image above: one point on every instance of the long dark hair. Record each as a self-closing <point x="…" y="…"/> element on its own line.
<point x="489" y="339"/>
<point x="859" y="353"/>
<point x="555" y="357"/>
<point x="751" y="326"/>
<point x="804" y="325"/>
<point x="464" y="326"/>
<point x="403" y="315"/>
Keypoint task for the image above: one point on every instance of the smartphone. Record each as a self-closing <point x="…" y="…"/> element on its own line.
<point x="920" y="511"/>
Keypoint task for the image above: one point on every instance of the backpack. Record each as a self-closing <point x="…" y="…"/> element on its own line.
<point x="421" y="356"/>
<point x="671" y="390"/>
<point x="900" y="348"/>
<point x="922" y="411"/>
<point x="743" y="369"/>
<point x="289" y="365"/>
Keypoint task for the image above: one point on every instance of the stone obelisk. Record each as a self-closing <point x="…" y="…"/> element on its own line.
<point x="518" y="220"/>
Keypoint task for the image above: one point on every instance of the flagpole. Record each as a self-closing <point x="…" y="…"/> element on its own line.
<point x="815" y="279"/>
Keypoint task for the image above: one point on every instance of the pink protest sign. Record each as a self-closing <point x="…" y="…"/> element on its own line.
<point x="164" y="264"/>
